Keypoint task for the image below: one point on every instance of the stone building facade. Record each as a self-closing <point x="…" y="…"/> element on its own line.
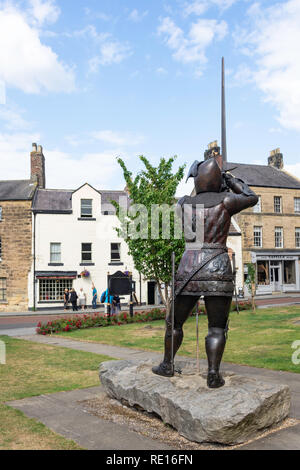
<point x="271" y="230"/>
<point x="16" y="234"/>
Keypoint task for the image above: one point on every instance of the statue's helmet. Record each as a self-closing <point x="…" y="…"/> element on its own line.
<point x="207" y="176"/>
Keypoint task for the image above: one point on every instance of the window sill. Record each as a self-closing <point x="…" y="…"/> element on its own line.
<point x="87" y="219"/>
<point x="55" y="264"/>
<point x="3" y="302"/>
<point x="115" y="263"/>
<point x="87" y="264"/>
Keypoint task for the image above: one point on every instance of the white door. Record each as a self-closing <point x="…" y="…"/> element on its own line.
<point x="275" y="277"/>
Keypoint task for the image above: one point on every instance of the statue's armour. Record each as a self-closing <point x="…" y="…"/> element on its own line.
<point x="216" y="277"/>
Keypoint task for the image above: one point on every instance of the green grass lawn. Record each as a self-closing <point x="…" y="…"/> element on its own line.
<point x="33" y="369"/>
<point x="263" y="339"/>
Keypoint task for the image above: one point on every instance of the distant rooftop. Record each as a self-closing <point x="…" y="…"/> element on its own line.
<point x="17" y="190"/>
<point x="263" y="175"/>
<point x="59" y="200"/>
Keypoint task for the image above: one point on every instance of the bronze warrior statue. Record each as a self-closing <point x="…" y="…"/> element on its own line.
<point x="206" y="270"/>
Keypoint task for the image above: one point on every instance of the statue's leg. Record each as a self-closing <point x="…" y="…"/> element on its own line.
<point x="183" y="307"/>
<point x="217" y="312"/>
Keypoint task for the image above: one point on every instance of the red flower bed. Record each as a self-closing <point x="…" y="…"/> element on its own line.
<point x="77" y="322"/>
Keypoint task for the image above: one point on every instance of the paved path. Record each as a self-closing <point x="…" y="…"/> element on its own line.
<point x="62" y="413"/>
<point x="44" y="410"/>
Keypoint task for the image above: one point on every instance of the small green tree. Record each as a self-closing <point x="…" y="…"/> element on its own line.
<point x="152" y="256"/>
<point x="251" y="282"/>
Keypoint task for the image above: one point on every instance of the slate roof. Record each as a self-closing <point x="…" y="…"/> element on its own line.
<point x="17" y="190"/>
<point x="264" y="176"/>
<point x="52" y="201"/>
<point x="59" y="201"/>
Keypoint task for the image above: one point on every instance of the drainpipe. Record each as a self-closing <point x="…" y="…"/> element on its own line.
<point x="34" y="290"/>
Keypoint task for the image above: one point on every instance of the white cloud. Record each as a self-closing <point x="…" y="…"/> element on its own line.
<point x="113" y="52"/>
<point x="27" y="64"/>
<point x="44" y="11"/>
<point x="273" y="43"/>
<point x="293" y="170"/>
<point x="117" y="138"/>
<point x="63" y="170"/>
<point x="161" y="71"/>
<point x="191" y="47"/>
<point x="136" y="16"/>
<point x="198" y="7"/>
<point x="13" y="118"/>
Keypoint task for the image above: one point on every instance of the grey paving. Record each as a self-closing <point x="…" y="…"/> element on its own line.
<point x="17" y="332"/>
<point x="63" y="414"/>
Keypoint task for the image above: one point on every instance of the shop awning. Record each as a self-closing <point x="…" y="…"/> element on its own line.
<point x="56" y="275"/>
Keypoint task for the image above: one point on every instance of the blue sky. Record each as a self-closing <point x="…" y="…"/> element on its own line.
<point x="94" y="79"/>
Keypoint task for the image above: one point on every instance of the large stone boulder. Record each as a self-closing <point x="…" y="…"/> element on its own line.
<point x="232" y="414"/>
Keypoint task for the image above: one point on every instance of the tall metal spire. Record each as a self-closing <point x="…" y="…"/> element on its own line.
<point x="224" y="143"/>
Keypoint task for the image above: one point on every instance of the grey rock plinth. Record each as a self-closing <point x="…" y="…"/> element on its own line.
<point x="233" y="414"/>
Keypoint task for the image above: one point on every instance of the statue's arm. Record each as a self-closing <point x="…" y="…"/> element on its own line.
<point x="241" y="196"/>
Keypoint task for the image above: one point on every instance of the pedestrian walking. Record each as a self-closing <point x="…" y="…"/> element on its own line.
<point x="66" y="299"/>
<point x="82" y="299"/>
<point x="94" y="302"/>
<point x="73" y="299"/>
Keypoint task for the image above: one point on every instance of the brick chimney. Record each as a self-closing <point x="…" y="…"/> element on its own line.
<point x="37" y="160"/>
<point x="276" y="159"/>
<point x="213" y="151"/>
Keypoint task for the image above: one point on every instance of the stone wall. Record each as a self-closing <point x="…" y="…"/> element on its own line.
<point x="16" y="237"/>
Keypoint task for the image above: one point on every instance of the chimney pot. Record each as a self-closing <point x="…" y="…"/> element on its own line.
<point x="37" y="161"/>
<point x="276" y="159"/>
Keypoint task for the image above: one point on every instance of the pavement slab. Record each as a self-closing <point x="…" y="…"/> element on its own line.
<point x="64" y="414"/>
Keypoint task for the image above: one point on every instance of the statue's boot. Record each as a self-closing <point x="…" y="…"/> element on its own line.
<point x="165" y="367"/>
<point x="215" y="345"/>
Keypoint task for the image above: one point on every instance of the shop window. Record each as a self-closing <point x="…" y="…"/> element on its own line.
<point x="297" y="237"/>
<point x="289" y="272"/>
<point x="277" y="204"/>
<point x="2" y="289"/>
<point x="257" y="207"/>
<point x="257" y="235"/>
<point x="52" y="290"/>
<point x="278" y="237"/>
<point x="263" y="276"/>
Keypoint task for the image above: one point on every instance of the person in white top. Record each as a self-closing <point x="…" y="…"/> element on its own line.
<point x="82" y="299"/>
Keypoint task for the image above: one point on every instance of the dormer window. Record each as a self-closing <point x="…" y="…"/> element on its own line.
<point x="86" y="208"/>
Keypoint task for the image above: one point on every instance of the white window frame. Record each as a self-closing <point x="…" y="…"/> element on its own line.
<point x="52" y="290"/>
<point x="278" y="235"/>
<point x="277" y="204"/>
<point x="257" y="236"/>
<point x="257" y="207"/>
<point x="0" y="249"/>
<point x="297" y="205"/>
<point x="115" y="250"/>
<point x="0" y="213"/>
<point x="86" y="204"/>
<point x="54" y="253"/>
<point x="86" y="251"/>
<point x="297" y="237"/>
<point x="3" y="289"/>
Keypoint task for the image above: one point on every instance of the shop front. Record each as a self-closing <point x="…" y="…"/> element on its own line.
<point x="276" y="272"/>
